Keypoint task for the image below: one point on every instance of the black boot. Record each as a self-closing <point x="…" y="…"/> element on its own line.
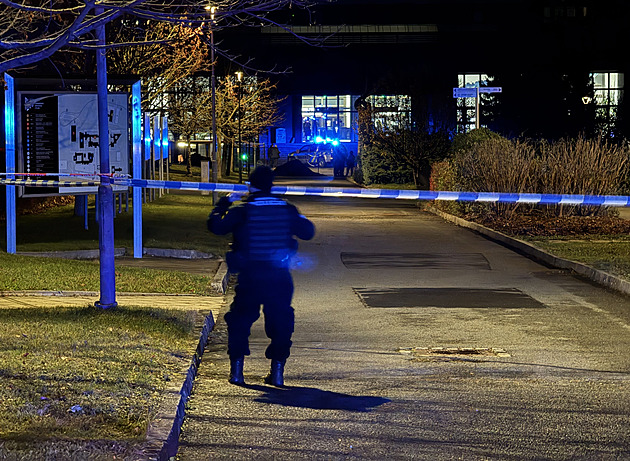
<point x="275" y="376"/>
<point x="236" y="371"/>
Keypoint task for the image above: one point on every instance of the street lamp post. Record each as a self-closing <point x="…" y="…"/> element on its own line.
<point x="215" y="173"/>
<point x="239" y="77"/>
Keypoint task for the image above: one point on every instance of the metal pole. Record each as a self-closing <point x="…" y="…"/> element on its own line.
<point x="240" y="160"/>
<point x="137" y="164"/>
<point x="477" y="122"/>
<point x="215" y="172"/>
<point x="165" y="147"/>
<point x="154" y="153"/>
<point x="9" y="133"/>
<point x="105" y="190"/>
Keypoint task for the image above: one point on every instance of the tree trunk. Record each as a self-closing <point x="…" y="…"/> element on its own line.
<point x="227" y="151"/>
<point x="219" y="155"/>
<point x="188" y="157"/>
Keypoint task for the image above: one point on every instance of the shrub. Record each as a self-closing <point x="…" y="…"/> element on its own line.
<point x="487" y="163"/>
<point x="379" y="168"/>
<point x="443" y="178"/>
<point x="498" y="165"/>
<point x="463" y="142"/>
<point x="585" y="167"/>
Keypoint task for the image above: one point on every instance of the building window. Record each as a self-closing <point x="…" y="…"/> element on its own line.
<point x="390" y="111"/>
<point x="466" y="107"/>
<point x="608" y="92"/>
<point x="329" y="118"/>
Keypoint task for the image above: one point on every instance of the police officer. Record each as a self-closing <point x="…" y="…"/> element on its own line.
<point x="263" y="227"/>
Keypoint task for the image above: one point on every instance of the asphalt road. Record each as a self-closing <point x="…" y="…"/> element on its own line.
<point x="416" y="339"/>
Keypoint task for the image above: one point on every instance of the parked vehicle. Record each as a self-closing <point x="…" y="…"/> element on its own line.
<point x="314" y="155"/>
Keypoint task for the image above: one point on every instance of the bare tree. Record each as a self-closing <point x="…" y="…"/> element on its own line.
<point x="170" y="56"/>
<point x="31" y="31"/>
<point x="250" y="106"/>
<point x="409" y="142"/>
<point x="188" y="111"/>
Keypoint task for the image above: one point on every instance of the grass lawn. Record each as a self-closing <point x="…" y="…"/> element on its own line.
<point x="79" y="381"/>
<point x="176" y="221"/>
<point x="34" y="273"/>
<point x="610" y="253"/>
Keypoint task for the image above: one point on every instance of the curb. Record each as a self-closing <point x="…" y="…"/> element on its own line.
<point x="221" y="278"/>
<point x="177" y="254"/>
<point x="74" y="254"/>
<point x="595" y="275"/>
<point x="167" y="427"/>
<point x="119" y="252"/>
<point x="71" y="294"/>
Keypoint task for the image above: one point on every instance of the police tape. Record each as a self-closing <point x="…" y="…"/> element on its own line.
<point x="46" y="183"/>
<point x="486" y="197"/>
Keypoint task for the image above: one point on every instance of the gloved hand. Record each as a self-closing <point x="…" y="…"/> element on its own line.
<point x="224" y="202"/>
<point x="235" y="196"/>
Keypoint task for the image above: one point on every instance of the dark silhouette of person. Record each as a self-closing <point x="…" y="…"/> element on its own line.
<point x="339" y="163"/>
<point x="350" y="163"/>
<point x="263" y="229"/>
<point x="307" y="130"/>
<point x="274" y="154"/>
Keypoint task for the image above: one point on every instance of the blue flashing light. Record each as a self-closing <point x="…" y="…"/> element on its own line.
<point x="319" y="140"/>
<point x="335" y="142"/>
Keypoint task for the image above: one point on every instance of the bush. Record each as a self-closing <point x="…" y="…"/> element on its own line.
<point x="486" y="163"/>
<point x="443" y="178"/>
<point x="498" y="165"/>
<point x="585" y="167"/>
<point x="464" y="142"/>
<point x="379" y="168"/>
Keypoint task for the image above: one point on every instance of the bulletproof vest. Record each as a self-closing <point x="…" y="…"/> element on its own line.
<point x="268" y="238"/>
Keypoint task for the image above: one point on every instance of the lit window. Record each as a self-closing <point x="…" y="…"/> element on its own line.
<point x="466" y="111"/>
<point x="328" y="117"/>
<point x="608" y="92"/>
<point x="391" y="111"/>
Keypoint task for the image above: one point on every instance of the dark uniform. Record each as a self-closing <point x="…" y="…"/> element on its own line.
<point x="263" y="228"/>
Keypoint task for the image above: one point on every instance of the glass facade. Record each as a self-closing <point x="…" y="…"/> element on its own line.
<point x="608" y="92"/>
<point x="466" y="111"/>
<point x="329" y="117"/>
<point x="391" y="110"/>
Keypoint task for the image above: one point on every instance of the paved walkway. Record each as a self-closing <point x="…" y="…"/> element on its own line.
<point x="48" y="299"/>
<point x="209" y="267"/>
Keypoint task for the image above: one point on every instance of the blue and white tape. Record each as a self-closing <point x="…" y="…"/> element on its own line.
<point x="46" y="183"/>
<point x="492" y="197"/>
<point x="497" y="197"/>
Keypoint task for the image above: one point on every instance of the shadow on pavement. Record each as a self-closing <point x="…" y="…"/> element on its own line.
<point x="317" y="399"/>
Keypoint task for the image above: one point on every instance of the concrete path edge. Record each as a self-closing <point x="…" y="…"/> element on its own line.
<point x="163" y="433"/>
<point x="119" y="252"/>
<point x="595" y="275"/>
<point x="170" y="443"/>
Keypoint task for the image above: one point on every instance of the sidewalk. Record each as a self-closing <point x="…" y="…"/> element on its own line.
<point x="84" y="299"/>
<point x="210" y="267"/>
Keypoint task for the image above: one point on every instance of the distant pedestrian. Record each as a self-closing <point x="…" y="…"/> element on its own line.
<point x="339" y="163"/>
<point x="350" y="163"/>
<point x="274" y="154"/>
<point x="263" y="228"/>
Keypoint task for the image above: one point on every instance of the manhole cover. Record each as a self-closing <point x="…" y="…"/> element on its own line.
<point x="446" y="298"/>
<point x="454" y="351"/>
<point x="415" y="260"/>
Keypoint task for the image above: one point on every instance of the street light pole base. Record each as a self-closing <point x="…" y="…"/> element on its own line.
<point x="101" y="305"/>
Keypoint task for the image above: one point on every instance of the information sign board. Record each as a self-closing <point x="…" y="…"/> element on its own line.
<point x="472" y="92"/>
<point x="464" y="92"/>
<point x="59" y="133"/>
